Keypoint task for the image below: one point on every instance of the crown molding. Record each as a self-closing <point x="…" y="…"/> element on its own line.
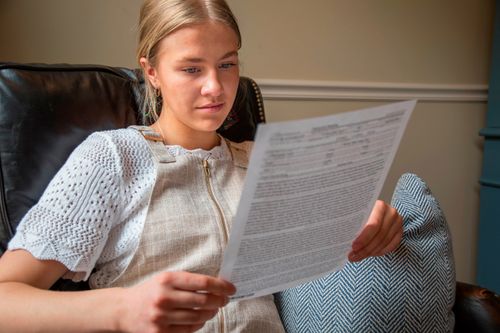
<point x="277" y="89"/>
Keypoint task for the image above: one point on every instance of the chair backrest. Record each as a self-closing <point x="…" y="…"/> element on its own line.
<point x="47" y="110"/>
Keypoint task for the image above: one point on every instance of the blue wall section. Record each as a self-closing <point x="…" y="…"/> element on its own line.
<point x="488" y="270"/>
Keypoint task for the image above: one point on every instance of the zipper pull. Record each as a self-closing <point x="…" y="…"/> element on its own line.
<point x="206" y="166"/>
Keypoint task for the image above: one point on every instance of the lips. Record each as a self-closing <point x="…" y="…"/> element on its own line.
<point x="212" y="107"/>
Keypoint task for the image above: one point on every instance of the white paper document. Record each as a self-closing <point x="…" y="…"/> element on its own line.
<point x="311" y="185"/>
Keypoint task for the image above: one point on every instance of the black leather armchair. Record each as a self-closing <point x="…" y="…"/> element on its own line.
<point x="47" y="110"/>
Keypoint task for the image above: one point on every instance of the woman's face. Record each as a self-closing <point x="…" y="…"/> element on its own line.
<point x="197" y="72"/>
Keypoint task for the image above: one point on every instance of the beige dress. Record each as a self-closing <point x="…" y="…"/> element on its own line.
<point x="187" y="228"/>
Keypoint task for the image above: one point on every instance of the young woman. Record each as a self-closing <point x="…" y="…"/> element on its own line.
<point x="144" y="212"/>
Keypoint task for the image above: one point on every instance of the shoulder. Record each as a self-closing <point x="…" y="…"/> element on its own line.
<point x="122" y="155"/>
<point x="124" y="146"/>
<point x="122" y="140"/>
<point x="240" y="152"/>
<point x="245" y="146"/>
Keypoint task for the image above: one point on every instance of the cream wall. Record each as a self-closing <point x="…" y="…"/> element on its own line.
<point x="69" y="31"/>
<point x="419" y="41"/>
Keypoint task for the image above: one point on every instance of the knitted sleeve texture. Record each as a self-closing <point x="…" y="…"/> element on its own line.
<point x="90" y="195"/>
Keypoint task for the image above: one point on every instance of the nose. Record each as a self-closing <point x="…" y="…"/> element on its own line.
<point x="212" y="85"/>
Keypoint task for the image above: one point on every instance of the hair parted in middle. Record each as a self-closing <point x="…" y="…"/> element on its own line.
<point x="160" y="18"/>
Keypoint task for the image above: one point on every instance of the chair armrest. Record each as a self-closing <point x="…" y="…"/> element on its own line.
<point x="476" y="309"/>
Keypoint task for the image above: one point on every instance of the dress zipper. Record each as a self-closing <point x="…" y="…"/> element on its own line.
<point x="208" y="176"/>
<point x="206" y="167"/>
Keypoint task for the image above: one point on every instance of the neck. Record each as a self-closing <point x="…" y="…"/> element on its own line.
<point x="187" y="139"/>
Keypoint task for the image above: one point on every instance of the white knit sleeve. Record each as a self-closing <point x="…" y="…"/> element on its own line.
<point x="72" y="219"/>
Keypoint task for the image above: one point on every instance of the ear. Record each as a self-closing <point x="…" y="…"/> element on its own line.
<point x="149" y="72"/>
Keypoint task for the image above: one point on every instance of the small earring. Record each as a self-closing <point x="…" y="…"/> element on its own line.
<point x="157" y="93"/>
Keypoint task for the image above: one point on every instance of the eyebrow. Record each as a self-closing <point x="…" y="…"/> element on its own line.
<point x="198" y="60"/>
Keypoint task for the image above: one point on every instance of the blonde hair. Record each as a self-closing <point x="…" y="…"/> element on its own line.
<point x="158" y="19"/>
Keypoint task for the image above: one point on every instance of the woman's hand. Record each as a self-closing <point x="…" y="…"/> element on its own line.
<point x="381" y="234"/>
<point x="173" y="302"/>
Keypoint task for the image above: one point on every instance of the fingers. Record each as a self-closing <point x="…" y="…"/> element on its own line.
<point x="184" y="290"/>
<point x="372" y="226"/>
<point x="196" y="282"/>
<point x="182" y="299"/>
<point x="381" y="234"/>
<point x="174" y="302"/>
<point x="393" y="237"/>
<point x="393" y="244"/>
<point x="190" y="300"/>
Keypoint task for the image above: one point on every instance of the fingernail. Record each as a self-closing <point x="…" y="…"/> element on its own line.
<point x="354" y="257"/>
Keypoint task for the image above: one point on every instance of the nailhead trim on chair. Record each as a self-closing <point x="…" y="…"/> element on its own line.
<point x="260" y="101"/>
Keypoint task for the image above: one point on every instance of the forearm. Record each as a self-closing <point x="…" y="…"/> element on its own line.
<point x="27" y="309"/>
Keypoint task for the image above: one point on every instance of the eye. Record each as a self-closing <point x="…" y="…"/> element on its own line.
<point x="191" y="70"/>
<point x="227" y="65"/>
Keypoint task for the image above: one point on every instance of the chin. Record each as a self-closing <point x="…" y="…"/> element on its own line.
<point x="210" y="127"/>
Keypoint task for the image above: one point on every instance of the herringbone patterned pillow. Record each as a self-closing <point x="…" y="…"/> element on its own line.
<point x="409" y="290"/>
